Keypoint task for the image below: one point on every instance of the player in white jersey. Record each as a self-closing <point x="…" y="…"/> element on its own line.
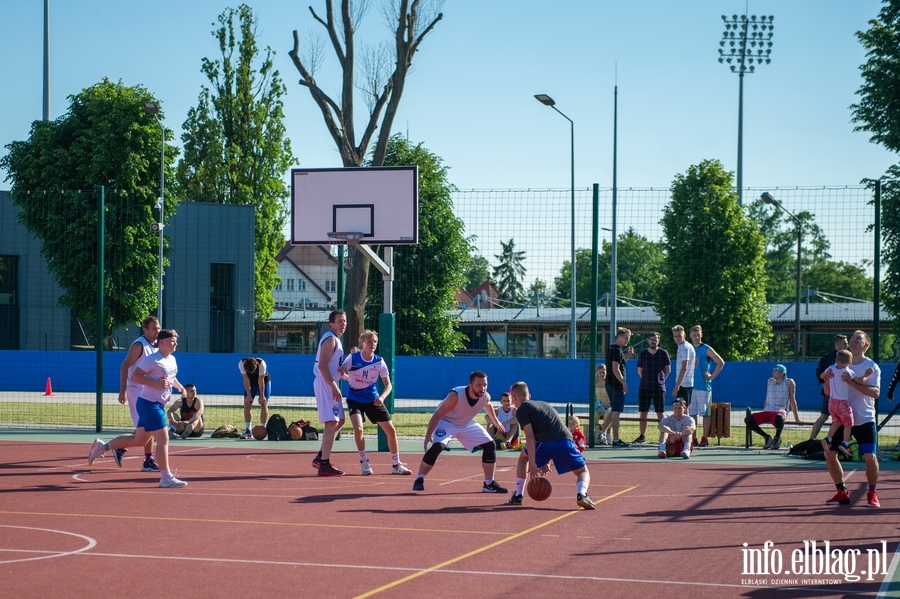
<point x="455" y="419"/>
<point x="129" y="391"/>
<point x="327" y="387"/>
<point x="363" y="369"/>
<point x="156" y="374"/>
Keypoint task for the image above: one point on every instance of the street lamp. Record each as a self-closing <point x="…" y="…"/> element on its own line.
<point x="768" y="198"/>
<point x="548" y="101"/>
<point x="153" y="108"/>
<point x="733" y="48"/>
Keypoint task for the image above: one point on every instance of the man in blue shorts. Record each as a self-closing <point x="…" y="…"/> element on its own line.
<point x="548" y="439"/>
<point x="862" y="401"/>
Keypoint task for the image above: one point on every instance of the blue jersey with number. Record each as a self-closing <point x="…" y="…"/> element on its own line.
<point x="364" y="377"/>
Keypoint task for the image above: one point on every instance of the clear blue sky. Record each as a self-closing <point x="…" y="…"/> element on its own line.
<point x="470" y="96"/>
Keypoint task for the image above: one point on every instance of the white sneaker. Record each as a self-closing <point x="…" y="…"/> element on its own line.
<point x="685" y="455"/>
<point x="97" y="451"/>
<point x="401" y="469"/>
<point x="366" y="469"/>
<point x="171" y="482"/>
<point x="603" y="440"/>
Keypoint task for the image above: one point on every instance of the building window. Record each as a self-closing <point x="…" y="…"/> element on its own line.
<point x="278" y="286"/>
<point x="330" y="286"/>
<point x="301" y="285"/>
<point x="290" y="284"/>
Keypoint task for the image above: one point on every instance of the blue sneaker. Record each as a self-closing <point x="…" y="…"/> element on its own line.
<point x="117" y="455"/>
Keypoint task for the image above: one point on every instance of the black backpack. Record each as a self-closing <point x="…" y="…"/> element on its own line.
<point x="809" y="450"/>
<point x="277" y="428"/>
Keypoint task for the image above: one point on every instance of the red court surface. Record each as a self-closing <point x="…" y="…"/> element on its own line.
<point x="254" y="520"/>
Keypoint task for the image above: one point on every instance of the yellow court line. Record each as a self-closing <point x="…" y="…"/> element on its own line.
<point x="449" y="562"/>
<point x="250" y="522"/>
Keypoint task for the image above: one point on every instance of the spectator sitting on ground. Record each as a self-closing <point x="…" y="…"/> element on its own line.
<point x="676" y="432"/>
<point x="189" y="421"/>
<point x="506" y="414"/>
<point x="780" y="393"/>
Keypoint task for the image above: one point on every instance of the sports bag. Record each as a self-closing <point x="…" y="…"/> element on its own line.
<point x="226" y="431"/>
<point x="277" y="428"/>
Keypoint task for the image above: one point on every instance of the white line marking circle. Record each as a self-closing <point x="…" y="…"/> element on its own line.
<point x="91" y="544"/>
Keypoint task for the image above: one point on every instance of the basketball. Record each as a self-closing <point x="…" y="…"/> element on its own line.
<point x="539" y="489"/>
<point x="259" y="432"/>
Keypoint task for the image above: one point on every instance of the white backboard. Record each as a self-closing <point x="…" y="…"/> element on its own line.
<point x="382" y="203"/>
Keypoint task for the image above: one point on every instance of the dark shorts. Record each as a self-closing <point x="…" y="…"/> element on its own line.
<point x="564" y="454"/>
<point x="657" y="396"/>
<point x="374" y="413"/>
<point x="824" y="408"/>
<point x="865" y="435"/>
<point x="254" y="392"/>
<point x="685" y="394"/>
<point x="151" y="416"/>
<point x="616" y="398"/>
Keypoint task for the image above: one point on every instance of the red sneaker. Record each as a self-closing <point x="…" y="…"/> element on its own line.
<point x="872" y="499"/>
<point x="661" y="455"/>
<point x="841" y="498"/>
<point x="327" y="469"/>
<point x="704" y="442"/>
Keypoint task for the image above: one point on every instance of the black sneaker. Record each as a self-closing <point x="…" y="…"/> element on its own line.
<point x="247" y="434"/>
<point x="620" y="443"/>
<point x="585" y="502"/>
<point x="117" y="456"/>
<point x="516" y="499"/>
<point x="326" y="469"/>
<point x="150" y="464"/>
<point x="317" y="462"/>
<point x="419" y="484"/>
<point x="640" y="439"/>
<point x="493" y="488"/>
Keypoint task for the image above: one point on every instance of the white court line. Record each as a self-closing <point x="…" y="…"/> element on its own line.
<point x="90" y="545"/>
<point x="492" y="573"/>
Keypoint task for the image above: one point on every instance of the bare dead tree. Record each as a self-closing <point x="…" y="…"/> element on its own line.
<point x="410" y="21"/>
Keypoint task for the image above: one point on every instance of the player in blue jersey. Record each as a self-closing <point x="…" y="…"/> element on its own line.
<point x="708" y="365"/>
<point x="363" y="369"/>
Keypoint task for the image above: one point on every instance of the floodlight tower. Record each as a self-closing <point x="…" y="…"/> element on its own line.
<point x="741" y="32"/>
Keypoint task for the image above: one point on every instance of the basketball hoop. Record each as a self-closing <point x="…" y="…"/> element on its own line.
<point x="345" y="237"/>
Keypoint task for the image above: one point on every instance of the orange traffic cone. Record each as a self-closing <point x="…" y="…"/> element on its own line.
<point x="49" y="390"/>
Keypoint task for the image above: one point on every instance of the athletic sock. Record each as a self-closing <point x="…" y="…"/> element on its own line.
<point x="395" y="457"/>
<point x="262" y="423"/>
<point x="581" y="487"/>
<point x="520" y="485"/>
<point x="488" y="481"/>
<point x="249" y="425"/>
<point x="165" y="473"/>
<point x="148" y="456"/>
<point x="362" y="456"/>
<point x="662" y="446"/>
<point x="106" y="447"/>
<point x="871" y="488"/>
<point x="841" y="487"/>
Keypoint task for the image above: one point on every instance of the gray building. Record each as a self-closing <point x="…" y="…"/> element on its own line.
<point x="208" y="293"/>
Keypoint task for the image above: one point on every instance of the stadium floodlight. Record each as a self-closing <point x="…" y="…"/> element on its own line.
<point x="768" y="198"/>
<point x="752" y="32"/>
<point x="153" y="108"/>
<point x="548" y="101"/>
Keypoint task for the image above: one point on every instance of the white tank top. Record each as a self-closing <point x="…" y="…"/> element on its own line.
<point x="462" y="414"/>
<point x="336" y="357"/>
<point x="777" y="396"/>
<point x="132" y="388"/>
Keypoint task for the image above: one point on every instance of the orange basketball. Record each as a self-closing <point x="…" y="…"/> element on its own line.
<point x="539" y="489"/>
<point x="259" y="432"/>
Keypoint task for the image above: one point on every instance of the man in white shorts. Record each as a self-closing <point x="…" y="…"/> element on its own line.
<point x="129" y="391"/>
<point x="455" y="419"/>
<point x="327" y="387"/>
<point x="704" y="373"/>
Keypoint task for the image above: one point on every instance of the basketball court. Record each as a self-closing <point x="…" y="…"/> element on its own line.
<point x="256" y="519"/>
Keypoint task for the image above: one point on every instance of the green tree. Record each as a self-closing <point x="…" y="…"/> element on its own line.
<point x="477" y="272"/>
<point x="878" y="111"/>
<point x="104" y="138"/>
<point x="538" y="287"/>
<point x="714" y="269"/>
<point x="890" y="230"/>
<point x="427" y="275"/>
<point x="382" y="82"/>
<point x="780" y="233"/>
<point x="236" y="151"/>
<point x="510" y="271"/>
<point x="638" y="269"/>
